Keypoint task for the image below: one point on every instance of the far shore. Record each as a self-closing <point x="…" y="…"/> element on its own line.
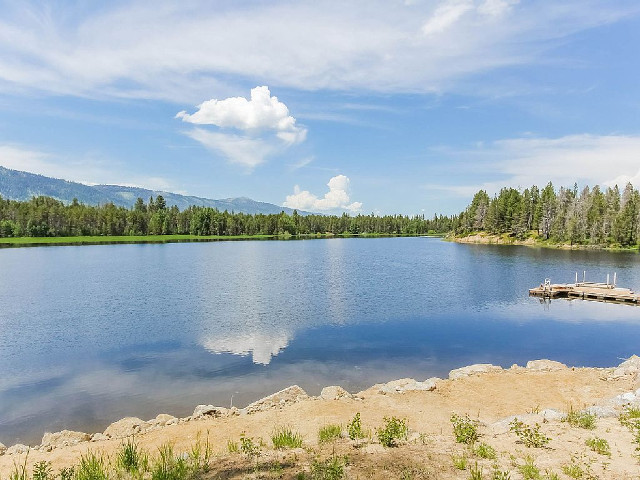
<point x="542" y="395"/>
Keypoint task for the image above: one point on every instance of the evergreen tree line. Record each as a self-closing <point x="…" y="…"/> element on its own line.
<point x="583" y="217"/>
<point x="47" y="217"/>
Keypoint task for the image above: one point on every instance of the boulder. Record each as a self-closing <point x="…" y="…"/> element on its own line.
<point x="99" y="437"/>
<point x="64" y="438"/>
<point x="17" y="449"/>
<point x="3" y="448"/>
<point x="334" y="393"/>
<point x="628" y="398"/>
<point x="126" y="427"/>
<point x="202" y="411"/>
<point x="545" y="365"/>
<point x="279" y="399"/>
<point x="551" y="414"/>
<point x="406" y="385"/>
<point x="163" y="419"/>
<point x="602" y="412"/>
<point x="631" y="367"/>
<point x="477" y="369"/>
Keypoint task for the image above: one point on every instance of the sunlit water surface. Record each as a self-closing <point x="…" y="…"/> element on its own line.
<point x="92" y="334"/>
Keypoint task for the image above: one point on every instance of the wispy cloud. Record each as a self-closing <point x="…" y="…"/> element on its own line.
<point x="181" y="52"/>
<point x="336" y="198"/>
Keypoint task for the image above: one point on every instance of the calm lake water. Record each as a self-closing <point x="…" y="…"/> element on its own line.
<point x="91" y="334"/>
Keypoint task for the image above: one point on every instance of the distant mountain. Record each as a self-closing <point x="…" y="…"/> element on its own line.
<point x="17" y="185"/>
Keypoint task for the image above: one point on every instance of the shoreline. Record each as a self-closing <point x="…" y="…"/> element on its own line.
<point x="539" y="391"/>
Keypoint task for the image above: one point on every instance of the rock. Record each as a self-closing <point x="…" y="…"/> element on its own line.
<point x="630" y="366"/>
<point x="234" y="411"/>
<point x="477" y="369"/>
<point x="545" y="365"/>
<point x="503" y="426"/>
<point x="334" y="393"/>
<point x="3" y="448"/>
<point x="552" y="414"/>
<point x="162" y="419"/>
<point x="99" y="437"/>
<point x="209" y="411"/>
<point x="17" y="449"/>
<point x="624" y="399"/>
<point x="64" y="438"/>
<point x="406" y="385"/>
<point x="602" y="412"/>
<point x="279" y="399"/>
<point x="126" y="427"/>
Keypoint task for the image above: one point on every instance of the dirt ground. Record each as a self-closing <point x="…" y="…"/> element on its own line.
<point x="430" y="449"/>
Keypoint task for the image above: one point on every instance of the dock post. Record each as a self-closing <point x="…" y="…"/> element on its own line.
<point x="576" y="278"/>
<point x="615" y="274"/>
<point x="607" y="279"/>
<point x="584" y="276"/>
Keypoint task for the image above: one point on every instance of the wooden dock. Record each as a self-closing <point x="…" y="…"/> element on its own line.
<point x="602" y="292"/>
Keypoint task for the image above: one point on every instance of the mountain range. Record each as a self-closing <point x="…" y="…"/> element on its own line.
<point x="18" y="185"/>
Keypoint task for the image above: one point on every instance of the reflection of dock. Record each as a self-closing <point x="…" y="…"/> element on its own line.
<point x="603" y="292"/>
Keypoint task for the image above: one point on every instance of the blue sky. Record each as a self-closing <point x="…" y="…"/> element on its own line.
<point x="361" y="106"/>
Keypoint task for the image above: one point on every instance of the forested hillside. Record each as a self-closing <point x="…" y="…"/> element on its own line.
<point x="589" y="216"/>
<point x="47" y="217"/>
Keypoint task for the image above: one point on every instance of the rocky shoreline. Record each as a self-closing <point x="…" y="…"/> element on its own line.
<point x="128" y="426"/>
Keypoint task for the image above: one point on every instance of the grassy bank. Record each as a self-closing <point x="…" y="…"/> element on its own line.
<point x="100" y="240"/>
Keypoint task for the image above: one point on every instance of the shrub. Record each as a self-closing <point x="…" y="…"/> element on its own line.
<point x="130" y="457"/>
<point x="67" y="473"/>
<point x="580" y="419"/>
<point x="284" y="437"/>
<point x="394" y="430"/>
<point x="354" y="428"/>
<point x="42" y="471"/>
<point x="249" y="447"/>
<point x="91" y="467"/>
<point x="460" y="462"/>
<point x="599" y="445"/>
<point x="330" y="469"/>
<point x="464" y="429"/>
<point x="529" y="471"/>
<point x="485" y="451"/>
<point x="329" y="433"/>
<point x="529" y="435"/>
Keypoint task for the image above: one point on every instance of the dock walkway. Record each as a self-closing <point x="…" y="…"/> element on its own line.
<point x="603" y="292"/>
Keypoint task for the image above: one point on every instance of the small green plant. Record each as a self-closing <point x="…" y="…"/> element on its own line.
<point x="580" y="419"/>
<point x="573" y="470"/>
<point x="284" y="437"/>
<point x="354" y="428"/>
<point x="599" y="445"/>
<point x="20" y="470"/>
<point x="475" y="472"/>
<point x="329" y="469"/>
<point x="91" y="467"/>
<point x="249" y="447"/>
<point x="168" y="466"/>
<point x="232" y="446"/>
<point x="528" y="470"/>
<point x="550" y="475"/>
<point x="130" y="457"/>
<point x="459" y="461"/>
<point x="529" y="435"/>
<point x="464" y="429"/>
<point x="394" y="430"/>
<point x="500" y="474"/>
<point x="42" y="471"/>
<point x="67" y="473"/>
<point x="200" y="455"/>
<point x="631" y="419"/>
<point x="329" y="433"/>
<point x="484" y="450"/>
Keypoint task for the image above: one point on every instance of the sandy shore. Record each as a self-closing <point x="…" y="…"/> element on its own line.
<point x="543" y="392"/>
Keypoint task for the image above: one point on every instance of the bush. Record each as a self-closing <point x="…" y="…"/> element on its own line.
<point x="330" y="469"/>
<point x="329" y="433"/>
<point x="394" y="430"/>
<point x="485" y="451"/>
<point x="529" y="435"/>
<point x="464" y="429"/>
<point x="354" y="428"/>
<point x="599" y="445"/>
<point x="42" y="471"/>
<point x="580" y="419"/>
<point x="284" y="437"/>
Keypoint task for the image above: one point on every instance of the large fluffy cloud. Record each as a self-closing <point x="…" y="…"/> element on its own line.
<point x="180" y="52"/>
<point x="336" y="198"/>
<point x="254" y="121"/>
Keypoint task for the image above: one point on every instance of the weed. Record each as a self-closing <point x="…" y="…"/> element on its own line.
<point x="168" y="466"/>
<point x="573" y="470"/>
<point x="330" y="469"/>
<point x="394" y="429"/>
<point x="67" y="473"/>
<point x="484" y="450"/>
<point x="354" y="428"/>
<point x="500" y="474"/>
<point x="200" y="455"/>
<point x="42" y="471"/>
<point x="599" y="445"/>
<point x="284" y="437"/>
<point x="464" y="429"/>
<point x="329" y="433"/>
<point x="249" y="447"/>
<point x="529" y="435"/>
<point x="529" y="471"/>
<point x="550" y="475"/>
<point x="91" y="467"/>
<point x="20" y="470"/>
<point x="631" y="419"/>
<point x="475" y="472"/>
<point x="580" y="419"/>
<point x="129" y="457"/>
<point x="459" y="461"/>
<point x="232" y="446"/>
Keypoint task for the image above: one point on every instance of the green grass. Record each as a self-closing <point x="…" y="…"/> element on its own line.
<point x="459" y="461"/>
<point x="285" y="437"/>
<point x="130" y="457"/>
<point x="168" y="466"/>
<point x="599" y="445"/>
<point x="329" y="433"/>
<point x="529" y="471"/>
<point x="485" y="451"/>
<point x="91" y="467"/>
<point x="464" y="429"/>
<point x="580" y="419"/>
<point x="330" y="469"/>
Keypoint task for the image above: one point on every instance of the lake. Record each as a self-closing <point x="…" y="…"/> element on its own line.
<point x="91" y="334"/>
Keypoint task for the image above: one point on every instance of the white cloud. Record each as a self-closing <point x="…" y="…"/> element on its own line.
<point x="262" y="112"/>
<point x="239" y="149"/>
<point x="160" y="49"/>
<point x="262" y="346"/>
<point x="522" y="162"/>
<point x="336" y="198"/>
